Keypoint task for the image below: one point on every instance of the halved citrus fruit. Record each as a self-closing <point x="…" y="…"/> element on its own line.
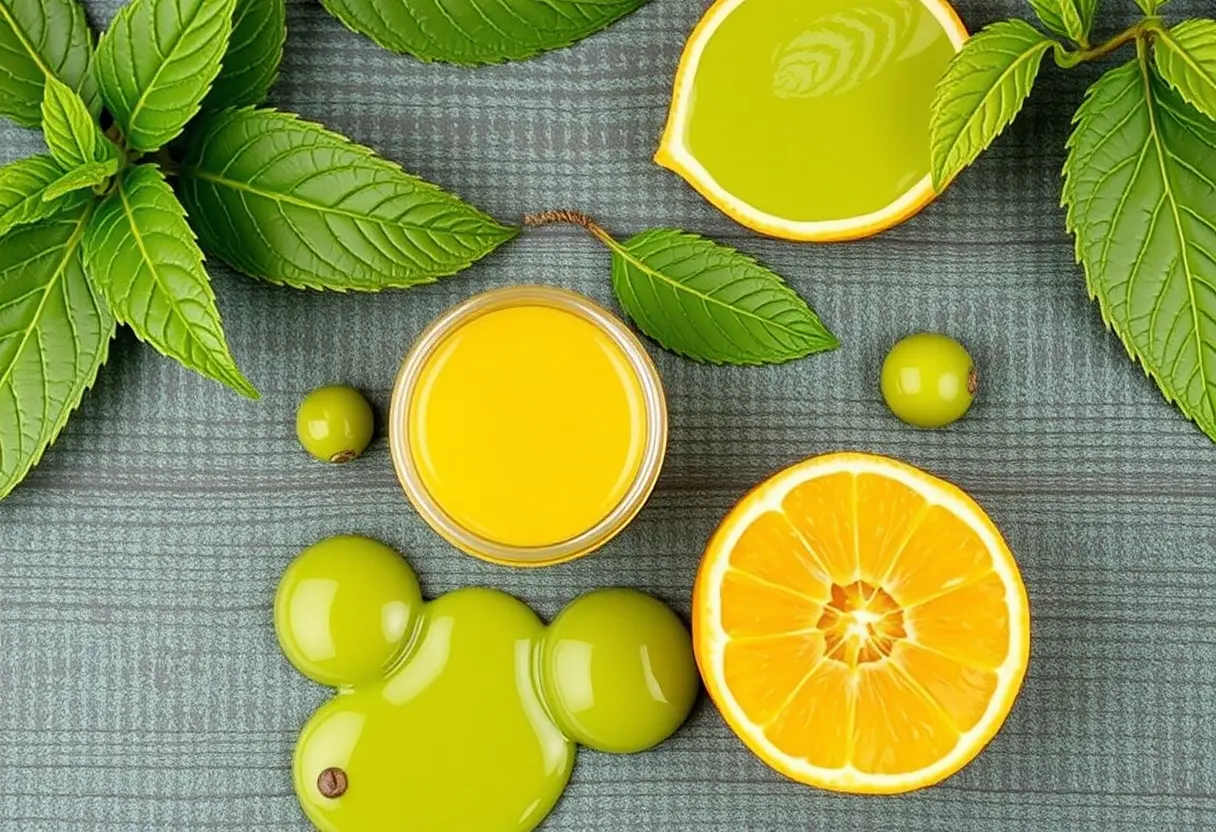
<point x="810" y="120"/>
<point x="861" y="625"/>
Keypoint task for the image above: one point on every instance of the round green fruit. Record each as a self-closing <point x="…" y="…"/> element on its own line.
<point x="344" y="610"/>
<point x="618" y="671"/>
<point x="929" y="380"/>
<point x="334" y="424"/>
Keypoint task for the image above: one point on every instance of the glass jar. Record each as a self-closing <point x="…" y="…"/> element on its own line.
<point x="406" y="428"/>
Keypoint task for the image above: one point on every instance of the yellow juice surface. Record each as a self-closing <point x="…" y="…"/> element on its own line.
<point x="528" y="426"/>
<point x="816" y="110"/>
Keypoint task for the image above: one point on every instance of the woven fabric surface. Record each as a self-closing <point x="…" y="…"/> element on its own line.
<point x="141" y="687"/>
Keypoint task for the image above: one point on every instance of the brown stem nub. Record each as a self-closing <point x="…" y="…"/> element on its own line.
<point x="569" y="218"/>
<point x="332" y="783"/>
<point x="973" y="381"/>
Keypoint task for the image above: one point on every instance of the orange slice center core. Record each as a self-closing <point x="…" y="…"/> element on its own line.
<point x="860" y="623"/>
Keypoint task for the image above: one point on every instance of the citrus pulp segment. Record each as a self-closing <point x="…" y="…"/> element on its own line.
<point x="861" y="625"/>
<point x="810" y="120"/>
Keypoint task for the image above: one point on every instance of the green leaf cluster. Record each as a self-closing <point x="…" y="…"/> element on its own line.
<point x="1139" y="178"/>
<point x="160" y="116"/>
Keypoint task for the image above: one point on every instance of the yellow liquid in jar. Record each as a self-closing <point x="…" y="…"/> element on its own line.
<point x="528" y="426"/>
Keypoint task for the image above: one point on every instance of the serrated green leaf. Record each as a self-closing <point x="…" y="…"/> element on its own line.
<point x="90" y="175"/>
<point x="290" y="202"/>
<point x="259" y="30"/>
<point x="41" y="39"/>
<point x="23" y="187"/>
<point x="156" y="63"/>
<point x="142" y="254"/>
<point x="70" y="132"/>
<point x="711" y="303"/>
<point x="1140" y="189"/>
<point x="54" y="336"/>
<point x="982" y="91"/>
<point x="1049" y="14"/>
<point x="1186" y="58"/>
<point x="473" y="32"/>
<point x="1071" y="19"/>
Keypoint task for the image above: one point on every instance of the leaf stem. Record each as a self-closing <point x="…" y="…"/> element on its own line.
<point x="165" y="161"/>
<point x="562" y="217"/>
<point x="1069" y="59"/>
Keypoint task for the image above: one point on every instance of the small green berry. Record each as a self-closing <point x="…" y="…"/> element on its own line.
<point x="929" y="380"/>
<point x="334" y="424"/>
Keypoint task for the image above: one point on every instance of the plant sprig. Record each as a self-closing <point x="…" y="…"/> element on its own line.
<point x="1139" y="179"/>
<point x="704" y="300"/>
<point x="93" y="234"/>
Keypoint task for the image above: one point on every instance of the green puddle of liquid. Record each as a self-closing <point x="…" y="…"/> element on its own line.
<point x="815" y="111"/>
<point x="462" y="714"/>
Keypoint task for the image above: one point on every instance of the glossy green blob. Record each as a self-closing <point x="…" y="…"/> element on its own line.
<point x="618" y="668"/>
<point x="454" y="739"/>
<point x="929" y="380"/>
<point x="815" y="111"/>
<point x="334" y="424"/>
<point x="456" y="732"/>
<point x="345" y="609"/>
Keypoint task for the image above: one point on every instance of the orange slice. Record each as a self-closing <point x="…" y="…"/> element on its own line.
<point x="861" y="625"/>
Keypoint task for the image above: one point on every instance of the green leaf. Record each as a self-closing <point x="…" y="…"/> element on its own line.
<point x="1050" y="14"/>
<point x="1067" y="18"/>
<point x="157" y="62"/>
<point x="23" y="186"/>
<point x="1186" y="58"/>
<point x="1150" y="7"/>
<point x="292" y="203"/>
<point x="54" y="336"/>
<point x="709" y="302"/>
<point x="475" y="32"/>
<point x="70" y="132"/>
<point x="982" y="91"/>
<point x="91" y="175"/>
<point x="1140" y="188"/>
<point x="40" y="39"/>
<point x="259" y="30"/>
<point x="142" y="253"/>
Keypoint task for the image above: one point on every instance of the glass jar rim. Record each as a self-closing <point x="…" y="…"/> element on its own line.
<point x="406" y="385"/>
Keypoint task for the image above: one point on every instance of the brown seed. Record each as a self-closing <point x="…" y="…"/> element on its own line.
<point x="332" y="782"/>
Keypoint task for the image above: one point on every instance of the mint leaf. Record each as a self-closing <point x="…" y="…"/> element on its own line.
<point x="1186" y="58"/>
<point x="41" y="39"/>
<point x="1140" y="188"/>
<point x="1071" y="19"/>
<point x="55" y="337"/>
<point x="157" y="62"/>
<point x="23" y="187"/>
<point x="290" y="202"/>
<point x="70" y="132"/>
<point x="709" y="302"/>
<point x="91" y="175"/>
<point x="474" y="32"/>
<point x="142" y="254"/>
<point x="982" y="91"/>
<point x="259" y="30"/>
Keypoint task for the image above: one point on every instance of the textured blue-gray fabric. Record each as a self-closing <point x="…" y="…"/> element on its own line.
<point x="141" y="687"/>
